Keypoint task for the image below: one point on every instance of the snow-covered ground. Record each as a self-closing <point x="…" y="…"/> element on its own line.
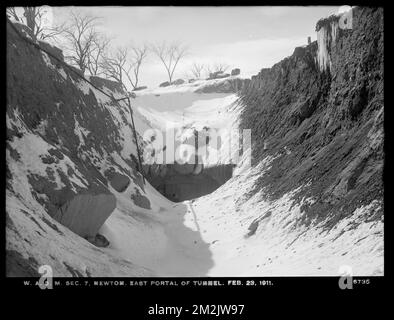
<point x="279" y="245"/>
<point x="184" y="110"/>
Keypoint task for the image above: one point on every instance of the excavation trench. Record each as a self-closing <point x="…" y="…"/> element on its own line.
<point x="181" y="182"/>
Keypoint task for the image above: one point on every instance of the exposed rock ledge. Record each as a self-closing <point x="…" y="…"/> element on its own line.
<point x="231" y="85"/>
<point x="86" y="213"/>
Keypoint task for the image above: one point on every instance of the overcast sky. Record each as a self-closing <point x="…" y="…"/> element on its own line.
<point x="250" y="38"/>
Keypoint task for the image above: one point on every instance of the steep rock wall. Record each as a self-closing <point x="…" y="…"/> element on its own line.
<point x="319" y="113"/>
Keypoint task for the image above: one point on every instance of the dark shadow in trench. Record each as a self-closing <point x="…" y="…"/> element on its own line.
<point x="189" y="254"/>
<point x="179" y="187"/>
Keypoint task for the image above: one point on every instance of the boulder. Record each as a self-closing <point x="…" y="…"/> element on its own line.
<point x="299" y="52"/>
<point x="178" y="82"/>
<point x="98" y="240"/>
<point x="164" y="84"/>
<point x="218" y="75"/>
<point x="84" y="214"/>
<point x="226" y="86"/>
<point x="222" y="75"/>
<point x="140" y="200"/>
<point x="253" y="228"/>
<point x="119" y="181"/>
<point x="192" y="80"/>
<point x="235" y="72"/>
<point x="214" y="75"/>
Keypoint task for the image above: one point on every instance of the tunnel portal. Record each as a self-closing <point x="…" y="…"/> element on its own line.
<point x="177" y="184"/>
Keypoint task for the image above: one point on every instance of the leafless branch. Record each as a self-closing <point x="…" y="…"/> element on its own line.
<point x="218" y="67"/>
<point x="125" y="64"/>
<point x="81" y="36"/>
<point x="97" y="54"/>
<point x="114" y="65"/>
<point x="137" y="57"/>
<point x="169" y="55"/>
<point x="197" y="69"/>
<point x="11" y="12"/>
<point x="35" y="18"/>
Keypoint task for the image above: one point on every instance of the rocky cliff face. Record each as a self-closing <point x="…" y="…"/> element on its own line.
<point x="67" y="146"/>
<point x="319" y="113"/>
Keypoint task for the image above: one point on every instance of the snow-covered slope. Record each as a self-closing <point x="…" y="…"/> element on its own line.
<point x="185" y="109"/>
<point x="255" y="236"/>
<point x="68" y="146"/>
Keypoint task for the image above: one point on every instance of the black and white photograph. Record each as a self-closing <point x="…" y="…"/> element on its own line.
<point x="147" y="143"/>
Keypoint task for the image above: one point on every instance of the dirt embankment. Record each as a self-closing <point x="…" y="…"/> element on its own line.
<point x="64" y="137"/>
<point x="325" y="127"/>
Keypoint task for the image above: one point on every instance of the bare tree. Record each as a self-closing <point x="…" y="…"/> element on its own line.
<point x="221" y="67"/>
<point x="35" y="18"/>
<point x="197" y="69"/>
<point x="11" y="13"/>
<point x="97" y="54"/>
<point x="137" y="57"/>
<point x="124" y="64"/>
<point x="169" y="54"/>
<point x="81" y="36"/>
<point x="217" y="68"/>
<point x="114" y="65"/>
<point x="32" y="15"/>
